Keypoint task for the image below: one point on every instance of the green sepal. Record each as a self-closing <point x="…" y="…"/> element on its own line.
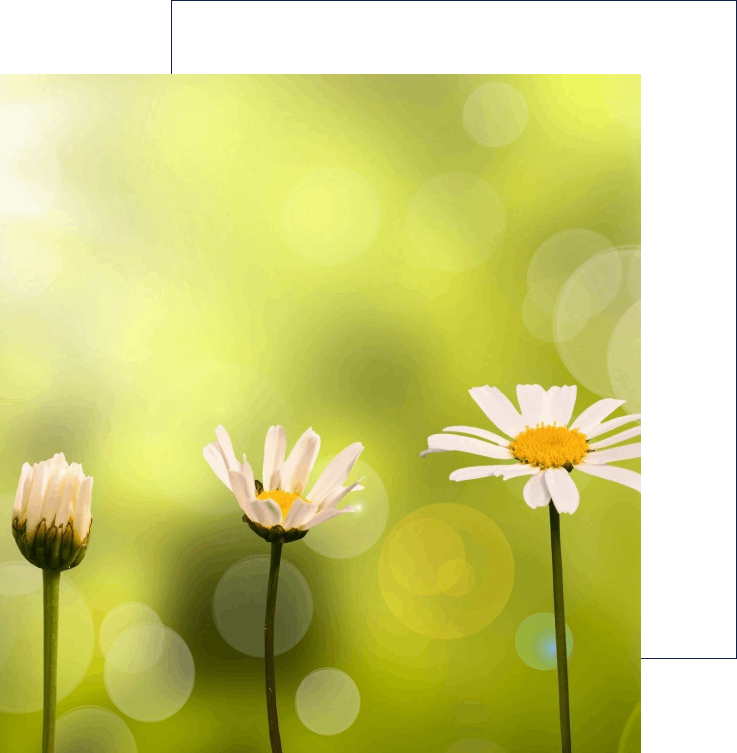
<point x="53" y="545"/>
<point x="67" y="540"/>
<point x="275" y="533"/>
<point x="39" y="544"/>
<point x="57" y="548"/>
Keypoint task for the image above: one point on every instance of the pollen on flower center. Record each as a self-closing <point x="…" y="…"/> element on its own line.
<point x="550" y="446"/>
<point x="284" y="499"/>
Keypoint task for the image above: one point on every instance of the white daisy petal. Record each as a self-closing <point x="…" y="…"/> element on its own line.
<point x="216" y="461"/>
<point x="613" y="473"/>
<point x="536" y="492"/>
<point x="275" y="448"/>
<point x="336" y="495"/>
<point x="594" y="414"/>
<point x="626" y="452"/>
<point x="498" y="409"/>
<point x="430" y="452"/>
<point x="479" y="433"/>
<point x="468" y="444"/>
<point x="562" y="489"/>
<point x="299" y="463"/>
<point x="616" y="438"/>
<point x="530" y="398"/>
<point x="226" y="447"/>
<point x="561" y="405"/>
<point x="245" y="491"/>
<point x="300" y="512"/>
<point x="267" y="513"/>
<point x="83" y="517"/>
<point x="615" y="423"/>
<point x="20" y="496"/>
<point x="54" y="492"/>
<point x="39" y="485"/>
<point x="324" y="515"/>
<point x="484" y="471"/>
<point x="336" y="473"/>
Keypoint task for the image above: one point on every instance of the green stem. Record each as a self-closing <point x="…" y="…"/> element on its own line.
<point x="269" y="647"/>
<point x="560" y="630"/>
<point x="51" y="580"/>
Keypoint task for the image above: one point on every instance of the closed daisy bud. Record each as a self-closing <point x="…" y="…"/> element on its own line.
<point x="51" y="514"/>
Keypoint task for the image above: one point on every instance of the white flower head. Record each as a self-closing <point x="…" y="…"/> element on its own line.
<point x="278" y="508"/>
<point x="51" y="513"/>
<point x="542" y="444"/>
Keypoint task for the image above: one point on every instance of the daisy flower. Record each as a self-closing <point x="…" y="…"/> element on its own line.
<point x="277" y="507"/>
<point x="542" y="443"/>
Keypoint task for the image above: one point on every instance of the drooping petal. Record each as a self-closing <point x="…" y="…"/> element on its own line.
<point x="615" y="423"/>
<point x="324" y="515"/>
<point x="336" y="495"/>
<point x="536" y="492"/>
<point x="625" y="452"/>
<point x="617" y="438"/>
<point x="467" y="444"/>
<point x="562" y="489"/>
<point x="594" y="414"/>
<point x="561" y="405"/>
<point x="484" y="471"/>
<point x="245" y="492"/>
<point x="216" y="461"/>
<point x="498" y="409"/>
<point x="298" y="465"/>
<point x="274" y="449"/>
<point x="226" y="447"/>
<point x="612" y="473"/>
<point x="495" y="438"/>
<point x="82" y="523"/>
<point x="300" y="512"/>
<point x="336" y="473"/>
<point x="530" y="398"/>
<point x="20" y="493"/>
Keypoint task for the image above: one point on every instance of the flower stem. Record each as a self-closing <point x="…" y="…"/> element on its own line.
<point x="51" y="580"/>
<point x="271" y="711"/>
<point x="560" y="630"/>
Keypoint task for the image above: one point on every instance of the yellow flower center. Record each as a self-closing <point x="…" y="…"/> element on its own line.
<point x="550" y="446"/>
<point x="284" y="499"/>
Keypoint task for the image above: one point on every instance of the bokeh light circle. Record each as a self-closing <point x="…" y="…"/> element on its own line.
<point x="446" y="571"/>
<point x="456" y="221"/>
<point x="589" y="308"/>
<point x="622" y="97"/>
<point x="122" y="617"/>
<point x="631" y="741"/>
<point x="149" y="672"/>
<point x="624" y="358"/>
<point x="191" y="403"/>
<point x="21" y="638"/>
<point x="535" y="641"/>
<point x="352" y="534"/>
<point x="495" y="114"/>
<point x="327" y="701"/>
<point x="474" y="745"/>
<point x="331" y="216"/>
<point x="239" y="605"/>
<point x="92" y="729"/>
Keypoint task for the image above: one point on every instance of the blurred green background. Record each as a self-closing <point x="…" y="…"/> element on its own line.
<point x="350" y="253"/>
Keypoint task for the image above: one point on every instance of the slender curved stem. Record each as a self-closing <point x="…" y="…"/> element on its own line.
<point x="51" y="580"/>
<point x="271" y="711"/>
<point x="560" y="630"/>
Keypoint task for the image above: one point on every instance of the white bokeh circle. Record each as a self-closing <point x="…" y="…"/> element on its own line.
<point x="93" y="729"/>
<point x="327" y="701"/>
<point x="495" y="114"/>
<point x="239" y="605"/>
<point x="122" y="617"/>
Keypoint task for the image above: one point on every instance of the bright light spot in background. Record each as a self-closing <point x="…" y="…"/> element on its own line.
<point x="327" y="701"/>
<point x="93" y="729"/>
<point x="239" y="605"/>
<point x="331" y="216"/>
<point x="624" y="358"/>
<point x="354" y="533"/>
<point x="446" y="571"/>
<point x="590" y="306"/>
<point x="122" y="617"/>
<point x="535" y="641"/>
<point x="456" y="221"/>
<point x="495" y="114"/>
<point x="30" y="175"/>
<point x="21" y="638"/>
<point x="149" y="672"/>
<point x="474" y="745"/>
<point x="622" y="97"/>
